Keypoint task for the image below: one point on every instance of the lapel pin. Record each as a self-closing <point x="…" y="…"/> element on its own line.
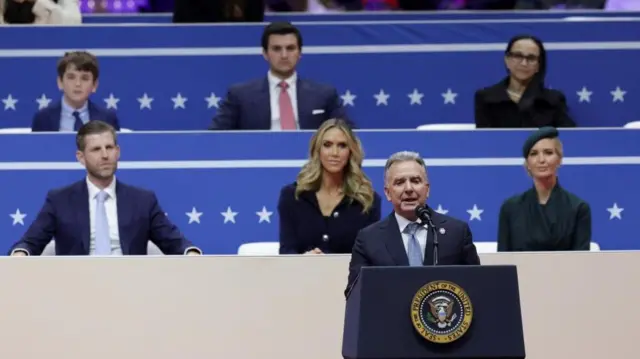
<point x="442" y="231"/>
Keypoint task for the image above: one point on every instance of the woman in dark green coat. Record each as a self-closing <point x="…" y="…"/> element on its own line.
<point x="546" y="217"/>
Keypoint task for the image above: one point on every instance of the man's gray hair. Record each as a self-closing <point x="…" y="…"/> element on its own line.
<point x="404" y="156"/>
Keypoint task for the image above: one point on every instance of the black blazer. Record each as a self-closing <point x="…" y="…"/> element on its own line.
<point x="538" y="107"/>
<point x="381" y="244"/>
<point x="303" y="227"/>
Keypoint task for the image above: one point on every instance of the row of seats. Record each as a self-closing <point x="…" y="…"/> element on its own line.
<point x="28" y="130"/>
<point x="472" y="126"/>
<point x="427" y="127"/>
<point x="271" y="248"/>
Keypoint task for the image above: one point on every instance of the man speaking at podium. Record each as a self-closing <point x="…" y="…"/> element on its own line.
<point x="413" y="234"/>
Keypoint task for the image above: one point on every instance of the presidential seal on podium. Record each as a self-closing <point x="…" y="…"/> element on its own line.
<point x="441" y="312"/>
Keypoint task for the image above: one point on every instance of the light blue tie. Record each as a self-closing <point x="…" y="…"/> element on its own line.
<point x="414" y="252"/>
<point x="103" y="241"/>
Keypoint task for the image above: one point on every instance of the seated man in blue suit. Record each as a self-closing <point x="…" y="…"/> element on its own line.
<point x="100" y="215"/>
<point x="282" y="100"/>
<point x="78" y="74"/>
<point x="401" y="239"/>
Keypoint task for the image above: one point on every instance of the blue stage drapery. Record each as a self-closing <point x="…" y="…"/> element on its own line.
<point x="242" y="172"/>
<point x="442" y="63"/>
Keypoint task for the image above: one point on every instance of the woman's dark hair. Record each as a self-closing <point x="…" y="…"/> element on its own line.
<point x="19" y="13"/>
<point x="538" y="78"/>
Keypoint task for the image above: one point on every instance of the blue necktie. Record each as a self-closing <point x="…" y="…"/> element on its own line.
<point x="414" y="252"/>
<point x="78" y="122"/>
<point x="103" y="241"/>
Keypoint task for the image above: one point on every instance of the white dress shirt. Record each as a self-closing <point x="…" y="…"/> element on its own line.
<point x="274" y="96"/>
<point x="421" y="234"/>
<point x="111" y="208"/>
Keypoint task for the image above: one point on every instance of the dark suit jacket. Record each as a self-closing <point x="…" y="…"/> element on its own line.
<point x="303" y="227"/>
<point x="381" y="244"/>
<point x="209" y="11"/>
<point x="48" y="119"/>
<point x="538" y="107"/>
<point x="248" y="106"/>
<point x="65" y="216"/>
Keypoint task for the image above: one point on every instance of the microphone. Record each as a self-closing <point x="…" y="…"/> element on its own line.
<point x="424" y="213"/>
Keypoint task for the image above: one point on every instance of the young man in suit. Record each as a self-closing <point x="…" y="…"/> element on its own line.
<point x="282" y="100"/>
<point x="100" y="215"/>
<point x="402" y="239"/>
<point x="78" y="74"/>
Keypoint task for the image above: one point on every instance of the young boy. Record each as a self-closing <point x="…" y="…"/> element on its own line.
<point x="78" y="74"/>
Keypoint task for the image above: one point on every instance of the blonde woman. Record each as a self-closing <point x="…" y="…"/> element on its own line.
<point x="42" y="12"/>
<point x="546" y="217"/>
<point x="332" y="198"/>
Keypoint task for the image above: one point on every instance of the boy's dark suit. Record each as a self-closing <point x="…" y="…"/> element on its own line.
<point x="48" y="119"/>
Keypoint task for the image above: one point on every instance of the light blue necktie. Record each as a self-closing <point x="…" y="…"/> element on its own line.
<point x="414" y="252"/>
<point x="103" y="241"/>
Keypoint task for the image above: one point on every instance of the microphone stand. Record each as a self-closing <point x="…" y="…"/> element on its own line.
<point x="435" y="244"/>
<point x="424" y="214"/>
<point x="433" y="230"/>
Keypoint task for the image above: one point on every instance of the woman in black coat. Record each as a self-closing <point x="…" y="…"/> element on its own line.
<point x="521" y="99"/>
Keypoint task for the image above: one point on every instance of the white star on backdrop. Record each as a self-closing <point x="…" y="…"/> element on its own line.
<point x="416" y="97"/>
<point x="229" y="215"/>
<point x="43" y="102"/>
<point x="475" y="213"/>
<point x="615" y="212"/>
<point x="381" y="98"/>
<point x="112" y="102"/>
<point x="18" y="218"/>
<point x="618" y="94"/>
<point x="10" y="102"/>
<point x="194" y="216"/>
<point x="449" y="97"/>
<point x="265" y="216"/>
<point x="145" y="101"/>
<point x="585" y="95"/>
<point x="441" y="210"/>
<point x="179" y="101"/>
<point x="348" y="98"/>
<point x="212" y="100"/>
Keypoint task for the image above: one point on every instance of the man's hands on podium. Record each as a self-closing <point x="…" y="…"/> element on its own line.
<point x="314" y="251"/>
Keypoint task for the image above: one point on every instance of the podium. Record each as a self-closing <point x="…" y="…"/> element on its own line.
<point x="460" y="312"/>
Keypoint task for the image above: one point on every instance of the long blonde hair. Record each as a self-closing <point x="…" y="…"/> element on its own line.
<point x="356" y="184"/>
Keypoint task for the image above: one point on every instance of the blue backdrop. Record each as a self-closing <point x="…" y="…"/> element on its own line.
<point x="241" y="174"/>
<point x="361" y="59"/>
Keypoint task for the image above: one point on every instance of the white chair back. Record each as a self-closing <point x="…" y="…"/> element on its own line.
<point x="16" y="130"/>
<point x="259" y="249"/>
<point x="152" y="249"/>
<point x="632" y="124"/>
<point x="447" y="127"/>
<point x="486" y="247"/>
<point x="492" y="247"/>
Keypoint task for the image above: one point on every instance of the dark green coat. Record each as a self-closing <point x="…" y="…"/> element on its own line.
<point x="563" y="224"/>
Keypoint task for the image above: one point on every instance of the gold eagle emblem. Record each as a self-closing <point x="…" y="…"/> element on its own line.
<point x="441" y="310"/>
